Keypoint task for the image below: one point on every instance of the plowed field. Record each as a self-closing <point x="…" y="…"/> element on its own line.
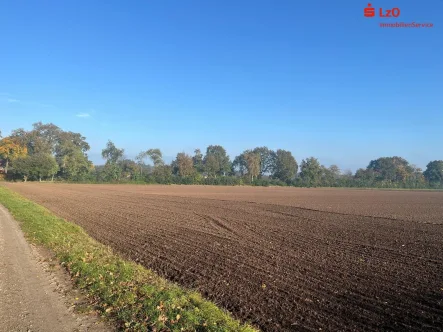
<point x="285" y="259"/>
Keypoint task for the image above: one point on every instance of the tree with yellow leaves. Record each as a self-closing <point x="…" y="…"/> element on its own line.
<point x="10" y="149"/>
<point x="252" y="164"/>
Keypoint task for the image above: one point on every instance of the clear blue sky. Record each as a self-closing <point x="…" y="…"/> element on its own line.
<point x="313" y="77"/>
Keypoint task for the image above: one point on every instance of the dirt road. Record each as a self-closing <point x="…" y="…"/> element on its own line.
<point x="32" y="298"/>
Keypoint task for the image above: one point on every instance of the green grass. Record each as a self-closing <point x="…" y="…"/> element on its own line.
<point x="135" y="298"/>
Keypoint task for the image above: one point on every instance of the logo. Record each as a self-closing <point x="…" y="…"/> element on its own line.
<point x="370" y="12"/>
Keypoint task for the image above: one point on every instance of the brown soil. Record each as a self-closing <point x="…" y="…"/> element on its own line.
<point x="283" y="258"/>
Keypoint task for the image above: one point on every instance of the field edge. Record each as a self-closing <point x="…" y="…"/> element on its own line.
<point x="133" y="297"/>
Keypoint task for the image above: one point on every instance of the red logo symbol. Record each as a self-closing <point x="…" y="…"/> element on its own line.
<point x="370" y="12"/>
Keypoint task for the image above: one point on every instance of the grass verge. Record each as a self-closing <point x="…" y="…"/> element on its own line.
<point x="134" y="297"/>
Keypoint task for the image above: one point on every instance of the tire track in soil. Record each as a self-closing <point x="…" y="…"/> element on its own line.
<point x="282" y="267"/>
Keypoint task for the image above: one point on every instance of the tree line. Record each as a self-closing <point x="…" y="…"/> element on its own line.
<point x="46" y="152"/>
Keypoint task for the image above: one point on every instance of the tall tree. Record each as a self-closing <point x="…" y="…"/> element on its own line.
<point x="335" y="171"/>
<point x="434" y="173"/>
<point x="347" y="178"/>
<point x="156" y="157"/>
<point x="70" y="153"/>
<point x="48" y="138"/>
<point x="43" y="138"/>
<point x="391" y="169"/>
<point x="69" y="148"/>
<point x="330" y="175"/>
<point x="416" y="179"/>
<point x="198" y="161"/>
<point x="43" y="165"/>
<point x="311" y="172"/>
<point x="11" y="149"/>
<point x="74" y="165"/>
<point x="216" y="157"/>
<point x="239" y="164"/>
<point x="19" y="135"/>
<point x="267" y="158"/>
<point x="111" y="171"/>
<point x="140" y="159"/>
<point x="253" y="164"/>
<point x="22" y="167"/>
<point x="212" y="166"/>
<point x="184" y="165"/>
<point x="162" y="174"/>
<point x="111" y="153"/>
<point x="365" y="177"/>
<point x="69" y="138"/>
<point x="285" y="166"/>
<point x="129" y="169"/>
